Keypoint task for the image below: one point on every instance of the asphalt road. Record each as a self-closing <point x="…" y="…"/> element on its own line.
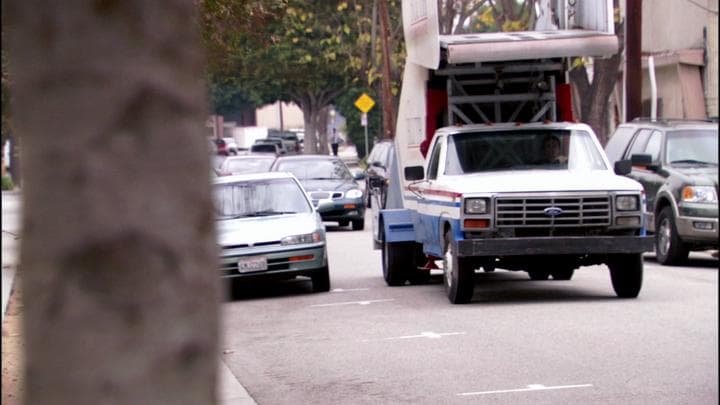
<point x="518" y="342"/>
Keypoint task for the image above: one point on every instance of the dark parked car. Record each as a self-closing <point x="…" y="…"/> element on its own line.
<point x="677" y="163"/>
<point x="377" y="172"/>
<point x="330" y="185"/>
<point x="289" y="139"/>
<point x="272" y="141"/>
<point x="265" y="148"/>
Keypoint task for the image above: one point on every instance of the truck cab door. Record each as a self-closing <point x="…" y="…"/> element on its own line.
<point x="429" y="221"/>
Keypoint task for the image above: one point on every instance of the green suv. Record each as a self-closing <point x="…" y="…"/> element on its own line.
<point x="677" y="163"/>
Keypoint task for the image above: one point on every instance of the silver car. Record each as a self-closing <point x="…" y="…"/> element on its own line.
<point x="267" y="227"/>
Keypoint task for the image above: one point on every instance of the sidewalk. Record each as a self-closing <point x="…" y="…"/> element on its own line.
<point x="230" y="391"/>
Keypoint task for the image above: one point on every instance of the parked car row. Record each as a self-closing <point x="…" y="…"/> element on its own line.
<point x="270" y="212"/>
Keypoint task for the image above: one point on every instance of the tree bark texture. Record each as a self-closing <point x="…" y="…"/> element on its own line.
<point x="118" y="253"/>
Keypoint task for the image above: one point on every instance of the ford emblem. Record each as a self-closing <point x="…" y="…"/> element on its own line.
<point x="552" y="211"/>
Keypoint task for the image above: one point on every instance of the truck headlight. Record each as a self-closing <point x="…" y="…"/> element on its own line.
<point x="300" y="239"/>
<point x="476" y="206"/>
<point x="355" y="193"/>
<point x="627" y="203"/>
<point x="699" y="194"/>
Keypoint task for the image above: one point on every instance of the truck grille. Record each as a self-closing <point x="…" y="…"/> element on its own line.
<point x="564" y="211"/>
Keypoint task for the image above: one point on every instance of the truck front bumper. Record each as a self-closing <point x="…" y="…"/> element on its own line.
<point x="568" y="245"/>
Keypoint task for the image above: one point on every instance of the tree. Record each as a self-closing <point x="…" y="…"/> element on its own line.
<point x="118" y="249"/>
<point x="233" y="32"/>
<point x="306" y="56"/>
<point x="594" y="95"/>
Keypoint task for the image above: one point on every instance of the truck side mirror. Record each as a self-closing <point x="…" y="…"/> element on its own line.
<point x="413" y="173"/>
<point x="623" y="167"/>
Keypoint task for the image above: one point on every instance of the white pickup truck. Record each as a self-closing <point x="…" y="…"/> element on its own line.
<point x="486" y="176"/>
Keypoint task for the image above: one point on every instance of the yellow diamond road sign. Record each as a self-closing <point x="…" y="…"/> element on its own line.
<point x="364" y="103"/>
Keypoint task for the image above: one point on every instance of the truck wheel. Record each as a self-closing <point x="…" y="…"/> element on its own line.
<point x="358" y="225"/>
<point x="394" y="262"/>
<point x="459" y="276"/>
<point x="562" y="274"/>
<point x="538" y="275"/>
<point x="321" y="280"/>
<point x="626" y="273"/>
<point x="669" y="249"/>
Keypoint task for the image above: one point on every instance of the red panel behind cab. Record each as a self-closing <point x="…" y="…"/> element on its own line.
<point x="563" y="95"/>
<point x="437" y="104"/>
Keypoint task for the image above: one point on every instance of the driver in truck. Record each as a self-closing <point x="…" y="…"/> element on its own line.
<point x="552" y="151"/>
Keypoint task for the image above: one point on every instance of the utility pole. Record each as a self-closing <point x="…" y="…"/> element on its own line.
<point x="388" y="106"/>
<point x="633" y="60"/>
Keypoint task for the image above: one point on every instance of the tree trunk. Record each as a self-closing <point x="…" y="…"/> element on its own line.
<point x="322" y="128"/>
<point x="118" y="252"/>
<point x="595" y="95"/>
<point x="311" y="140"/>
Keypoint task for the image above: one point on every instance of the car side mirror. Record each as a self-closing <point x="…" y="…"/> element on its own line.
<point x="623" y="167"/>
<point x="413" y="173"/>
<point x="643" y="159"/>
<point x="377" y="164"/>
<point x="359" y="176"/>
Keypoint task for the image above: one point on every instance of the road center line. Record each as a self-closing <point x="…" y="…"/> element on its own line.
<point x="335" y="304"/>
<point x="349" y="289"/>
<point x="429" y="335"/>
<point x="531" y="387"/>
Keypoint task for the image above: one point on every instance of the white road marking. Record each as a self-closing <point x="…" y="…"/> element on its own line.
<point x="335" y="304"/>
<point x="531" y="387"/>
<point x="349" y="289"/>
<point x="429" y="335"/>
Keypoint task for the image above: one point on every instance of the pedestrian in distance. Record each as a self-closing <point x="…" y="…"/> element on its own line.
<point x="334" y="142"/>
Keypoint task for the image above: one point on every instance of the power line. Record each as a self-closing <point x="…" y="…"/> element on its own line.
<point x="703" y="7"/>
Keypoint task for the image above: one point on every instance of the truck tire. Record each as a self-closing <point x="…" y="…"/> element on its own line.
<point x="321" y="280"/>
<point x="626" y="274"/>
<point x="358" y="224"/>
<point x="459" y="275"/>
<point x="395" y="263"/>
<point x="669" y="249"/>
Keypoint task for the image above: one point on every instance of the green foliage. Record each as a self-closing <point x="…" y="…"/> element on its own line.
<point x="345" y="104"/>
<point x="7" y="183"/>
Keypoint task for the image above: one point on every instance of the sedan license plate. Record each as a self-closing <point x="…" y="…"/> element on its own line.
<point x="250" y="264"/>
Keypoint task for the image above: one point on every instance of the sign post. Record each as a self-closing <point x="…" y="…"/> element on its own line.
<point x="364" y="103"/>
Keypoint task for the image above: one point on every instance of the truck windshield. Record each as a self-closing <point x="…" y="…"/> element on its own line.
<point x="475" y="152"/>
